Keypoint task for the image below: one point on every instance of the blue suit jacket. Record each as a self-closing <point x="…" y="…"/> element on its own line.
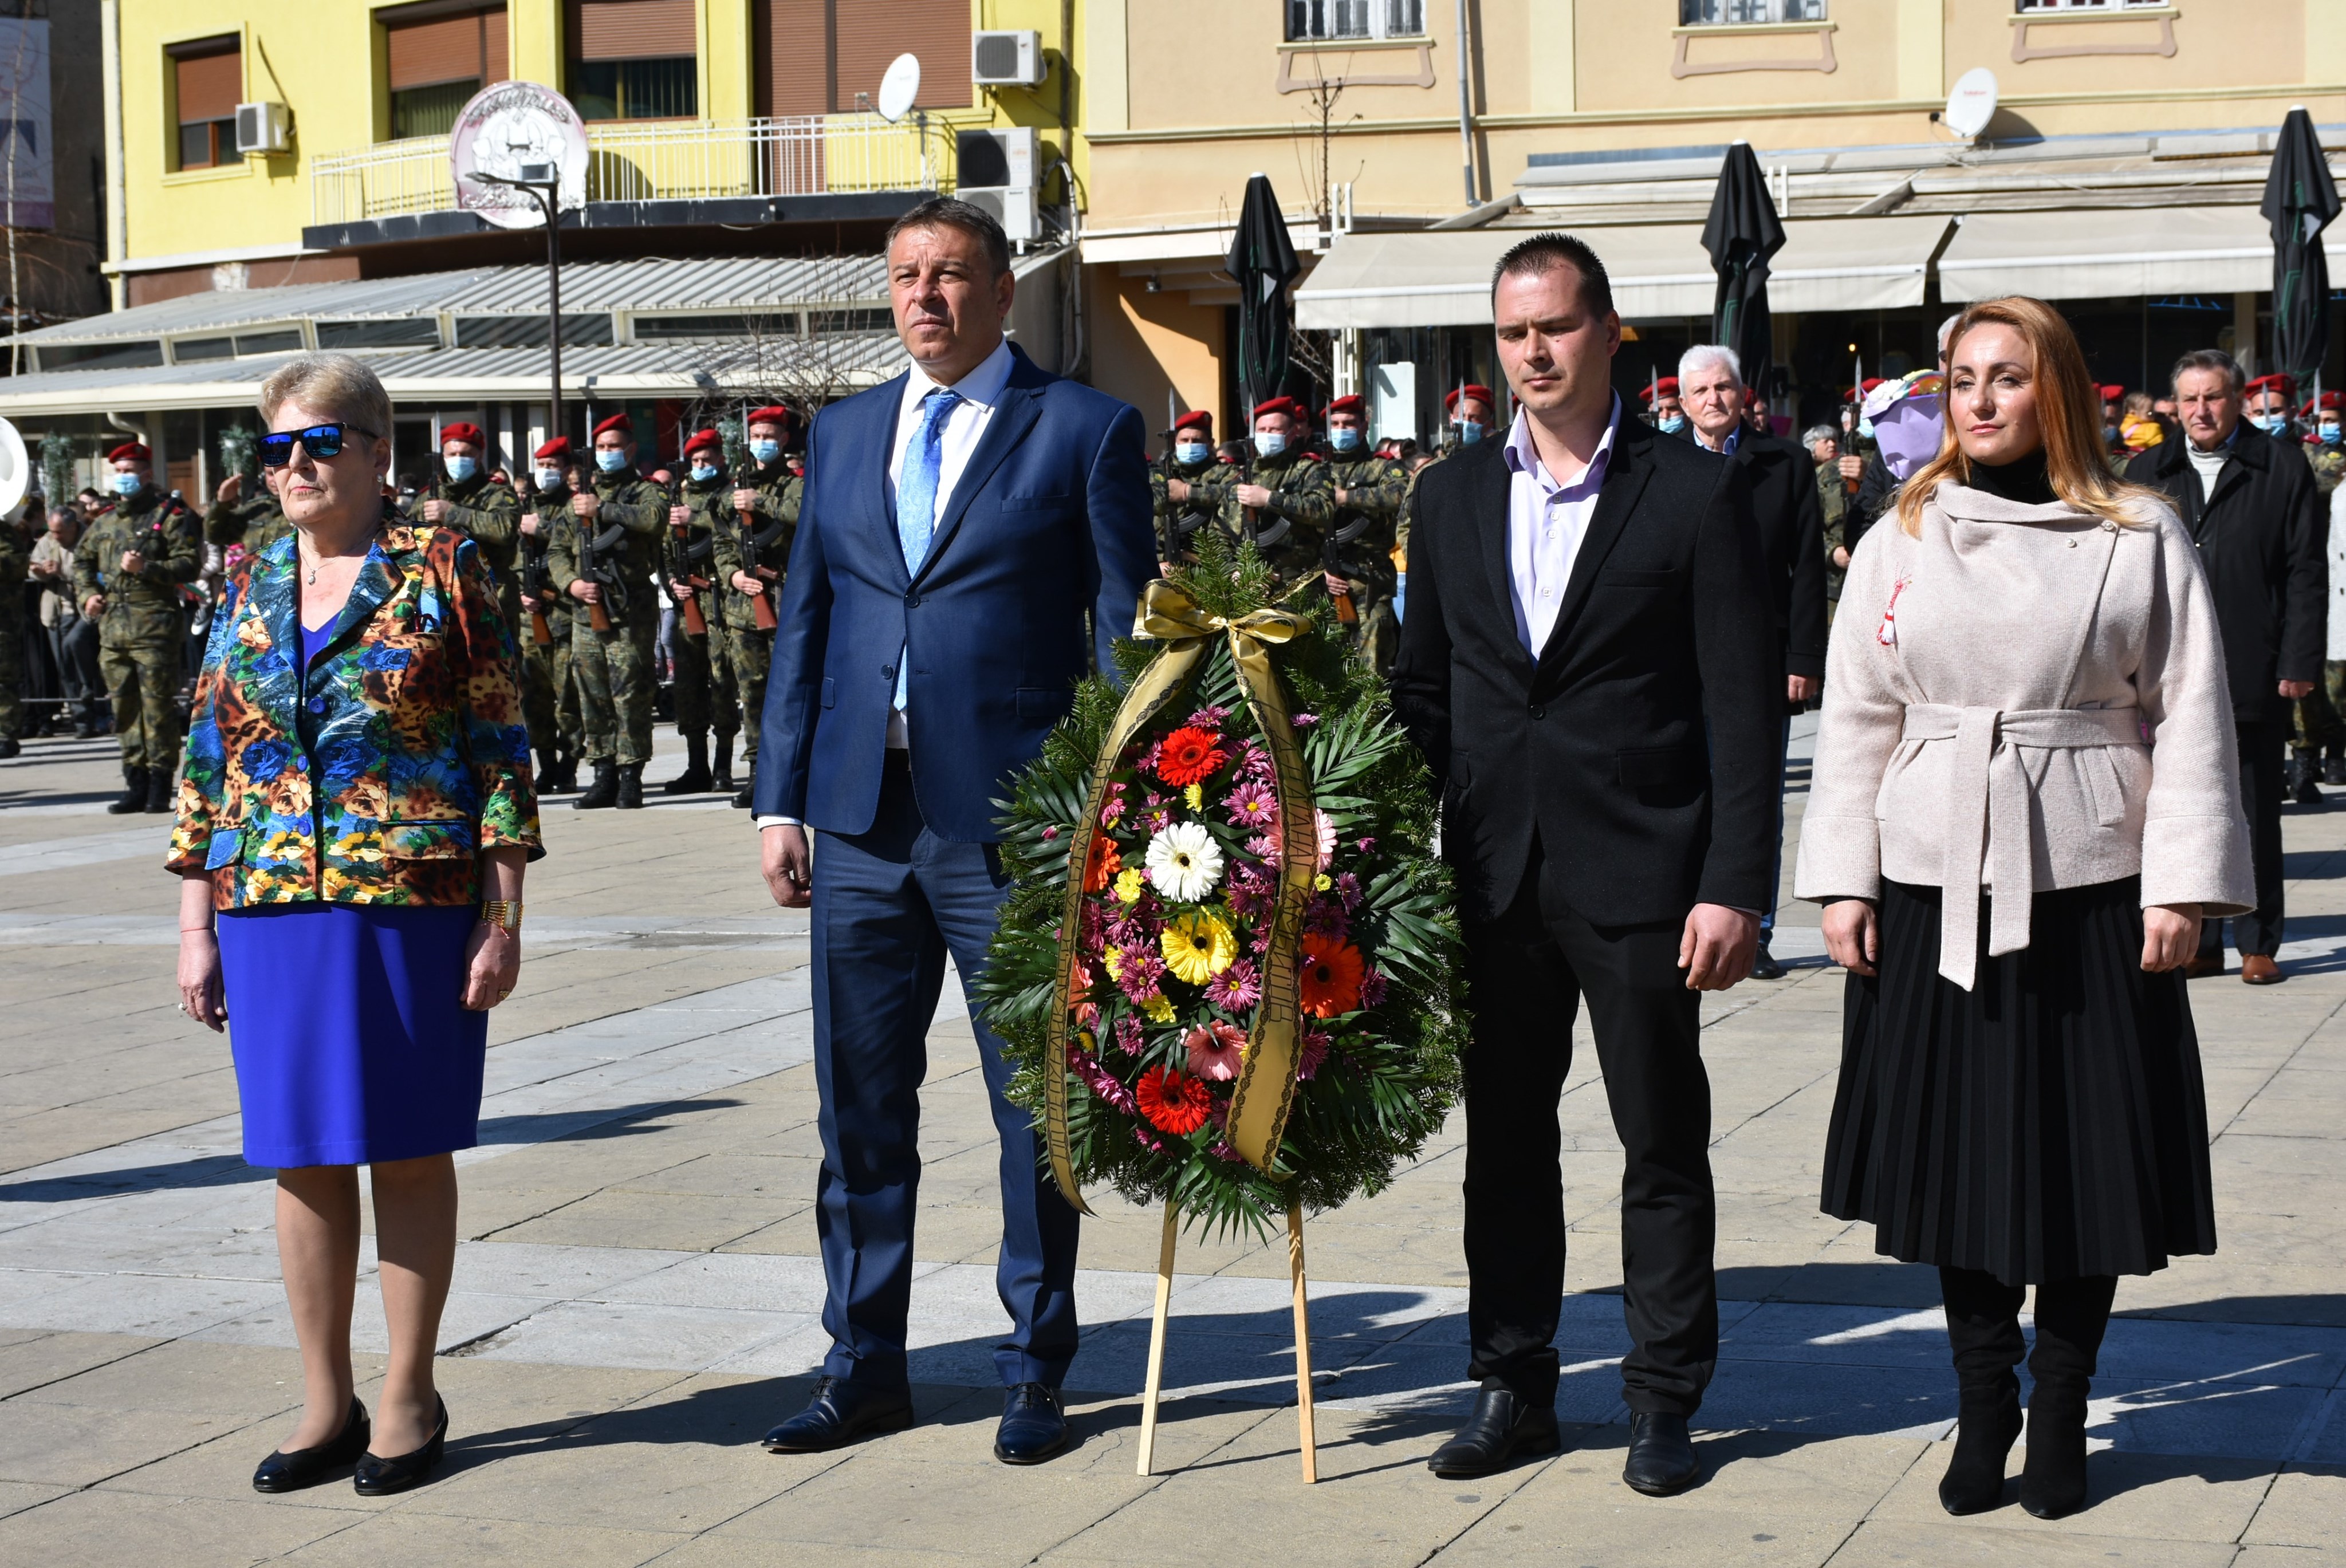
<point x="1050" y="520"/>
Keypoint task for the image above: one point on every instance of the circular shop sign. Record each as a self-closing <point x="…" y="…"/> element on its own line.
<point x="516" y="130"/>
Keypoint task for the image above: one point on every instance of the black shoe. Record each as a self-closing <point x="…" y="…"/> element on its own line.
<point x="694" y="780"/>
<point x="9" y="746"/>
<point x="603" y="793"/>
<point x="2304" y="790"/>
<point x="1661" y="1461"/>
<point x="721" y="769"/>
<point x="1764" y="965"/>
<point x="379" y="1477"/>
<point x="1033" y="1426"/>
<point x="631" y="787"/>
<point x="742" y="799"/>
<point x="2053" y="1478"/>
<point x="160" y="792"/>
<point x="1501" y="1428"/>
<point x="134" y="793"/>
<point x="2334" y="770"/>
<point x="839" y="1412"/>
<point x="1990" y="1424"/>
<point x="290" y="1471"/>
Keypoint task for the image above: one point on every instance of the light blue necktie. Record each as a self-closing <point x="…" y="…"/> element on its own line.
<point x="916" y="498"/>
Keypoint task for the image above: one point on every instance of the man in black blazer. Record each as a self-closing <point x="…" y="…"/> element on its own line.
<point x="1589" y="663"/>
<point x="2250" y="503"/>
<point x="1783" y="478"/>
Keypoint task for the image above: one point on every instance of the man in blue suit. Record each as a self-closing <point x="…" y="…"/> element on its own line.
<point x="974" y="535"/>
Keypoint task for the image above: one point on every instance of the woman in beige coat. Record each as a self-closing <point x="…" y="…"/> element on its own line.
<point x="2026" y="801"/>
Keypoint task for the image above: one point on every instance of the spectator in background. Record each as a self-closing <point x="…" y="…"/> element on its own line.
<point x="1834" y="492"/>
<point x="1663" y="409"/>
<point x="2139" y="426"/>
<point x="1877" y="491"/>
<point x="72" y="640"/>
<point x="2250" y="505"/>
<point x="2323" y="451"/>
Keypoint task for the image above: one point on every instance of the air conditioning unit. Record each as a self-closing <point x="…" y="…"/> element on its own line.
<point x="995" y="169"/>
<point x="1006" y="59"/>
<point x="264" y="128"/>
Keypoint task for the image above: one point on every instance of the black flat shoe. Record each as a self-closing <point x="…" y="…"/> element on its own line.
<point x="1501" y="1428"/>
<point x="839" y="1412"/>
<point x="379" y="1477"/>
<point x="1033" y="1427"/>
<point x="291" y="1471"/>
<point x="1661" y="1461"/>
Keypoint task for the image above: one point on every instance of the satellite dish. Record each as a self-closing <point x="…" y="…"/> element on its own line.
<point x="16" y="468"/>
<point x="899" y="88"/>
<point x="1973" y="103"/>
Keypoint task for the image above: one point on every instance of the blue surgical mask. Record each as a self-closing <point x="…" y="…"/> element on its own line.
<point x="1269" y="442"/>
<point x="1865" y="429"/>
<point x="126" y="484"/>
<point x="1191" y="452"/>
<point x="461" y="468"/>
<point x="1470" y="431"/>
<point x="702" y="473"/>
<point x="610" y="460"/>
<point x="1344" y="440"/>
<point x="1671" y="424"/>
<point x="549" y="479"/>
<point x="2329" y="433"/>
<point x="2270" y="423"/>
<point x="764" y="451"/>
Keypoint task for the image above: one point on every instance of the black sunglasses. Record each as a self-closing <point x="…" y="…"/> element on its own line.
<point x="320" y="440"/>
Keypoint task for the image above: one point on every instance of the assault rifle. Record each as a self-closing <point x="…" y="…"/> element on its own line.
<point x="592" y="548"/>
<point x="1174" y="528"/>
<point x="685" y="568"/>
<point x="537" y="584"/>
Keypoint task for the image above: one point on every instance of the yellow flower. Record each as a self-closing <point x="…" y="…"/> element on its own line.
<point x="1198" y="946"/>
<point x="1323" y="881"/>
<point x="1196" y="795"/>
<point x="1158" y="1010"/>
<point x="1127" y="884"/>
<point x="1113" y="962"/>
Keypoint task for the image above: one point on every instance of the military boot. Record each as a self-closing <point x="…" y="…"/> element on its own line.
<point x="2304" y="779"/>
<point x="749" y="787"/>
<point x="160" y="795"/>
<point x="134" y="793"/>
<point x="603" y="793"/>
<point x="695" y="778"/>
<point x="631" y="787"/>
<point x="563" y="776"/>
<point x="720" y="772"/>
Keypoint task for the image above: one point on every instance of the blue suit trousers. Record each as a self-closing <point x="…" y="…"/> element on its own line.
<point x="888" y="905"/>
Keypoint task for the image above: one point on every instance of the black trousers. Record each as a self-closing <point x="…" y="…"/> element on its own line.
<point x="1526" y="974"/>
<point x="2264" y="759"/>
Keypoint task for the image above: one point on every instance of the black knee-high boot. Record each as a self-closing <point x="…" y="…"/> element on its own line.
<point x="1984" y="1330"/>
<point x="2071" y="1318"/>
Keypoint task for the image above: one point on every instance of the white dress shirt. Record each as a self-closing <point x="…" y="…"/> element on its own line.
<point x="1547" y="520"/>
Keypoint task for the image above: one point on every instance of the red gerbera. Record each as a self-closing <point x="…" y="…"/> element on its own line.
<point x="1101" y="864"/>
<point x="1331" y="976"/>
<point x="1172" y="1103"/>
<point x="1190" y="755"/>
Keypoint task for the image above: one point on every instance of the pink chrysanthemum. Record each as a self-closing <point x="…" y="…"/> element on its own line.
<point x="1251" y="805"/>
<point x="1127" y="1036"/>
<point x="1237" y="988"/>
<point x="1314" y="1053"/>
<point x="1373" y="987"/>
<point x="1208" y="717"/>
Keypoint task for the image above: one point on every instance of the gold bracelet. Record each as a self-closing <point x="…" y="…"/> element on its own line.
<point x="505" y="913"/>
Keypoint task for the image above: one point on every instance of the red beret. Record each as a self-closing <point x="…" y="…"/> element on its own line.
<point x="704" y="438"/>
<point x="1197" y="418"/>
<point x="460" y="430"/>
<point x="1450" y="399"/>
<point x="619" y="423"/>
<point x="772" y="413"/>
<point x="1286" y="405"/>
<point x="2330" y="399"/>
<point x="2112" y="394"/>
<point x="1351" y="402"/>
<point x="559" y="447"/>
<point x="2285" y="385"/>
<point x="1661" y="386"/>
<point x="134" y="451"/>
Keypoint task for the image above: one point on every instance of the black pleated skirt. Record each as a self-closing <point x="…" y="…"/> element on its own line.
<point x="2048" y="1123"/>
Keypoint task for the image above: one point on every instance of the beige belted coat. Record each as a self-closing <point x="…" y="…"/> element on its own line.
<point x="2024" y="697"/>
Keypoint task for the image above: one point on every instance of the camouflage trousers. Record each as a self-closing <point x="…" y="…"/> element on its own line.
<point x="549" y="698"/>
<point x="617" y="675"/>
<point x="12" y="661"/>
<point x="704" y="692"/>
<point x="2318" y="726"/>
<point x="749" y="651"/>
<point x="143" y="680"/>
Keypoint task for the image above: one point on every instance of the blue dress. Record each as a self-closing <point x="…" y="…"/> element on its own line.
<point x="352" y="1042"/>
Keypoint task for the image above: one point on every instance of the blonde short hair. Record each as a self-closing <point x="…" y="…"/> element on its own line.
<point x="339" y="382"/>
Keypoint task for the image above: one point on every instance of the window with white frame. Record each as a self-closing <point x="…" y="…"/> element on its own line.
<point x="1743" y="13"/>
<point x="2028" y="7"/>
<point x="1309" y="21"/>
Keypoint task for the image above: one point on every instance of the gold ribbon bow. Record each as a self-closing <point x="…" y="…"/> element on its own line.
<point x="1265" y="1085"/>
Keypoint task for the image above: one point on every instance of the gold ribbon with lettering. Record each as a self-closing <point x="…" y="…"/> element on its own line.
<point x="1265" y="1085"/>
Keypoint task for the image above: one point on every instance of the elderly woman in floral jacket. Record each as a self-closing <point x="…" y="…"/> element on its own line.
<point x="356" y="812"/>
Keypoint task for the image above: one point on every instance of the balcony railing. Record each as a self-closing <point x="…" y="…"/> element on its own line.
<point x="660" y="160"/>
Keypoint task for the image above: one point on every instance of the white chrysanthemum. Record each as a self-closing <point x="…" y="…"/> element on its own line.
<point x="1185" y="862"/>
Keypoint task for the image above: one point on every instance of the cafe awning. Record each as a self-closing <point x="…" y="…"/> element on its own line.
<point x="2112" y="252"/>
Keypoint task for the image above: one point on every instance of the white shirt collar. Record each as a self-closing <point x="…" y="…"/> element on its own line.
<point x="982" y="386"/>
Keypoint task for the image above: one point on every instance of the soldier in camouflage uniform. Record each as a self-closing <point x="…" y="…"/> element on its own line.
<point x="127" y="573"/>
<point x="1367" y="491"/>
<point x="2318" y="740"/>
<point x="1280" y="498"/>
<point x="549" y="698"/>
<point x="462" y="495"/>
<point x="705" y="693"/>
<point x="752" y="551"/>
<point x="1191" y="461"/>
<point x="2323" y="450"/>
<point x="232" y="520"/>
<point x="1471" y="409"/>
<point x="16" y="563"/>
<point x="608" y="560"/>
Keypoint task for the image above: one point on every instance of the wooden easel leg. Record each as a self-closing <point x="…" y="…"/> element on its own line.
<point x="1305" y="1438"/>
<point x="1157" y="1339"/>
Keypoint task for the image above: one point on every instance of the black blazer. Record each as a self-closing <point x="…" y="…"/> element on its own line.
<point x="1643" y="746"/>
<point x="1793" y="542"/>
<point x="2262" y="534"/>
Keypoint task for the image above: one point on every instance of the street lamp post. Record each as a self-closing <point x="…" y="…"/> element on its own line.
<point x="542" y="183"/>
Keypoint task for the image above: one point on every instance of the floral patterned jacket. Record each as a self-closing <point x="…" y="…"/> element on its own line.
<point x="409" y="761"/>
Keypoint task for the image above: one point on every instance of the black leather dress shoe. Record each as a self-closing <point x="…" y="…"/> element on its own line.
<point x="379" y="1477"/>
<point x="1765" y="966"/>
<point x="1033" y="1427"/>
<point x="1661" y="1456"/>
<point x="291" y="1471"/>
<point x="839" y="1412"/>
<point x="1501" y="1428"/>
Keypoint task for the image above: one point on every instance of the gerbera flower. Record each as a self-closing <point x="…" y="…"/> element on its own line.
<point x="1101" y="864"/>
<point x="1189" y="756"/>
<point x="1331" y="977"/>
<point x="1184" y="862"/>
<point x="1172" y="1103"/>
<point x="1237" y="988"/>
<point x="1216" y="1051"/>
<point x="1198" y="946"/>
<point x="1251" y="805"/>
